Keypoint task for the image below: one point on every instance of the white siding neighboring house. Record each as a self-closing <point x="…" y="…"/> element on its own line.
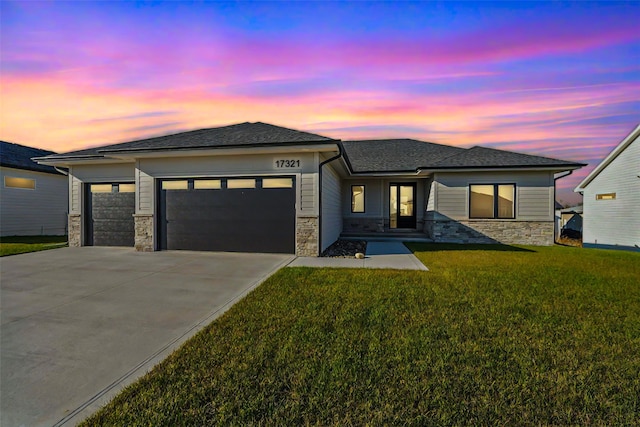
<point x="611" y="197"/>
<point x="33" y="197"/>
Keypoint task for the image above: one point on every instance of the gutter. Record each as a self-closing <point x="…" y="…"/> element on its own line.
<point x="66" y="173"/>
<point x="329" y="160"/>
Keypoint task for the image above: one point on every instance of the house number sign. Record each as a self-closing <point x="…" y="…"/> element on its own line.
<point x="287" y="163"/>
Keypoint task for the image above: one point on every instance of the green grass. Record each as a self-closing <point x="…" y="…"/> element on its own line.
<point x="12" y="245"/>
<point x="492" y="335"/>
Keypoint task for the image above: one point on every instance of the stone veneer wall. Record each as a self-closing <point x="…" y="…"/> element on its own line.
<point x="144" y="232"/>
<point x="539" y="233"/>
<point x="307" y="232"/>
<point x="363" y="225"/>
<point x="75" y="230"/>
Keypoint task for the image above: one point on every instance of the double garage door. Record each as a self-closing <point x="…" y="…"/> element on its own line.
<point x="227" y="214"/>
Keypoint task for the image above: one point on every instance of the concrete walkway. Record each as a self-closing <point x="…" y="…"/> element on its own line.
<point x="385" y="254"/>
<point x="79" y="324"/>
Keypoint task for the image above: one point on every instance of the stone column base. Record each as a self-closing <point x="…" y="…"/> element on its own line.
<point x="307" y="236"/>
<point x="75" y="230"/>
<point x="144" y="232"/>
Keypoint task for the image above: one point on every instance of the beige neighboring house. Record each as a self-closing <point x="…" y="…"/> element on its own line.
<point x="33" y="197"/>
<point x="611" y="198"/>
<point x="256" y="187"/>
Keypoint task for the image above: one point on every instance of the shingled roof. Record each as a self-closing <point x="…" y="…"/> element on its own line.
<point x="409" y="155"/>
<point x="238" y="135"/>
<point x="19" y="157"/>
<point x="394" y="155"/>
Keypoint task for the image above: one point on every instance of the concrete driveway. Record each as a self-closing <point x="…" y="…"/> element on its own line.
<point x="78" y="324"/>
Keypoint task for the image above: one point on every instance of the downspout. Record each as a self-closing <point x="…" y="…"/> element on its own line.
<point x="337" y="156"/>
<point x="61" y="171"/>
<point x="555" y="236"/>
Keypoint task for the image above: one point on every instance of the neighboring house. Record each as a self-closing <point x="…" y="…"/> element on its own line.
<point x="611" y="198"/>
<point x="33" y="197"/>
<point x="262" y="188"/>
<point x="569" y="219"/>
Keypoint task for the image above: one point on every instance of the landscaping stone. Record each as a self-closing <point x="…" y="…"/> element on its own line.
<point x="345" y="249"/>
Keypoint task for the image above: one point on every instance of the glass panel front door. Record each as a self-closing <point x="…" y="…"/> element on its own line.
<point x="402" y="212"/>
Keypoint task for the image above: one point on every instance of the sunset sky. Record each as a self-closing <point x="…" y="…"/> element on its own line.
<point x="554" y="79"/>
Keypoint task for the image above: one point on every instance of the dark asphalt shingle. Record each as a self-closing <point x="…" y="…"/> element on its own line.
<point x="19" y="157"/>
<point x="490" y="157"/>
<point x="238" y="135"/>
<point x="395" y="155"/>
<point x="402" y="155"/>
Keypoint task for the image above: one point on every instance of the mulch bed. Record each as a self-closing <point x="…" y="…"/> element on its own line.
<point x="345" y="249"/>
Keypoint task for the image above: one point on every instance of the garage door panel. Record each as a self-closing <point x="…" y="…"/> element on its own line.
<point x="235" y="220"/>
<point x="111" y="220"/>
<point x="112" y="226"/>
<point x="115" y="238"/>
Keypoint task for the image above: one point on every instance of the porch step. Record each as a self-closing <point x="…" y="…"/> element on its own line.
<point x="409" y="236"/>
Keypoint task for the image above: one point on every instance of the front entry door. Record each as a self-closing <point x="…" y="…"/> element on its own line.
<point x="402" y="212"/>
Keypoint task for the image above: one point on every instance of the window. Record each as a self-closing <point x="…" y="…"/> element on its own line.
<point x="207" y="184"/>
<point x="101" y="188"/>
<point x="483" y="202"/>
<point x="126" y="188"/>
<point x="357" y="198"/>
<point x="14" y="182"/>
<point x="606" y="196"/>
<point x="241" y="183"/>
<point x="175" y="185"/>
<point x="277" y="183"/>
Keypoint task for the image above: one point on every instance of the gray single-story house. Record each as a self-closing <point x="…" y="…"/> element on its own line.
<point x="611" y="198"/>
<point x="33" y="197"/>
<point x="257" y="187"/>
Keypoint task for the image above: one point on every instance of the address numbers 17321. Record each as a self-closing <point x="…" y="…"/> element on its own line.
<point x="287" y="163"/>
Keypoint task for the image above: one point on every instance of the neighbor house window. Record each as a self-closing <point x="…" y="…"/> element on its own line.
<point x="15" y="182"/>
<point x="357" y="198"/>
<point x="606" y="196"/>
<point x="492" y="201"/>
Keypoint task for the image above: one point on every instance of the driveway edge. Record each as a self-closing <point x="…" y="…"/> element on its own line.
<point x="108" y="393"/>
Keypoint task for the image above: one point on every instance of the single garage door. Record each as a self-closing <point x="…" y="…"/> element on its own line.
<point x="232" y="215"/>
<point x="109" y="214"/>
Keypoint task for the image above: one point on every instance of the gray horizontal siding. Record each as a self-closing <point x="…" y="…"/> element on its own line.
<point x="331" y="207"/>
<point x="34" y="212"/>
<point x="534" y="193"/>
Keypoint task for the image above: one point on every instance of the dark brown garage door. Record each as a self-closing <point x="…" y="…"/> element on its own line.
<point x="234" y="215"/>
<point x="109" y="214"/>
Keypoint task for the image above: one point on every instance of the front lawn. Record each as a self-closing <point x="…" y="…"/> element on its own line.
<point x="491" y="335"/>
<point x="12" y="245"/>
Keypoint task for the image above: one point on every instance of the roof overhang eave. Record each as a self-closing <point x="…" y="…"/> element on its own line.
<point x="529" y="168"/>
<point x="223" y="151"/>
<point x="607" y="160"/>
